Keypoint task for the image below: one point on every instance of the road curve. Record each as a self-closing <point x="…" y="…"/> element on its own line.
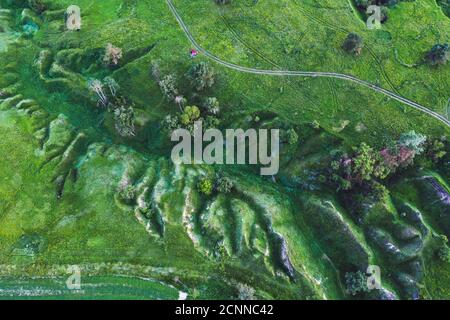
<point x="311" y="74"/>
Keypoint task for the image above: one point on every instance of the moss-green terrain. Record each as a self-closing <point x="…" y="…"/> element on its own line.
<point x="74" y="191"/>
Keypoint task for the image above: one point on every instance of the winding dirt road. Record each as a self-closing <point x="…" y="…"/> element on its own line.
<point x="310" y="74"/>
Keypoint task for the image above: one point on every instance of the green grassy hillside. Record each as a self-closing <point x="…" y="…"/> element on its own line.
<point x="73" y="191"/>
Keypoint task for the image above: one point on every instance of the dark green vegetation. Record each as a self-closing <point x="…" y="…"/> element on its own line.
<point x="445" y="4"/>
<point x="86" y="177"/>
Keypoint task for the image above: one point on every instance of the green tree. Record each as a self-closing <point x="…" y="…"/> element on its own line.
<point x="171" y="122"/>
<point x="201" y="75"/>
<point x="381" y="170"/>
<point x="342" y="184"/>
<point x="224" y="184"/>
<point x="211" y="122"/>
<point x="413" y="141"/>
<point x="445" y="4"/>
<point x="212" y="105"/>
<point x="436" y="149"/>
<point x="168" y="85"/>
<point x="379" y="191"/>
<point x="206" y="186"/>
<point x="127" y="193"/>
<point x="189" y="115"/>
<point x="364" y="162"/>
<point x="356" y="282"/>
<point x="353" y="44"/>
<point x="124" y="120"/>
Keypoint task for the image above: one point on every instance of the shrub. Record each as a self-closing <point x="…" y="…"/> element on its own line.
<point x="171" y="123"/>
<point x="124" y="119"/>
<point x="315" y="125"/>
<point x="443" y="253"/>
<point x="168" y="85"/>
<point x="211" y="122"/>
<point x="96" y="86"/>
<point x="245" y="292"/>
<point x="205" y="186"/>
<point x="438" y="55"/>
<point x="127" y="193"/>
<point x="212" y="105"/>
<point x="356" y="282"/>
<point x="363" y="162"/>
<point x="379" y="191"/>
<point x="292" y="137"/>
<point x="112" y="55"/>
<point x="224" y="184"/>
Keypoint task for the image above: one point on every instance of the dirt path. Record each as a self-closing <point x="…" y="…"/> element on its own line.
<point x="293" y="73"/>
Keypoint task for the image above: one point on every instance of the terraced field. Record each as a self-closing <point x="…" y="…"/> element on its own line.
<point x="73" y="191"/>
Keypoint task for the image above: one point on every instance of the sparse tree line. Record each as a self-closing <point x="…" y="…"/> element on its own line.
<point x="109" y="95"/>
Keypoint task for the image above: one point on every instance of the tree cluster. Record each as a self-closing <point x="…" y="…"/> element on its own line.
<point x="365" y="166"/>
<point x="193" y="105"/>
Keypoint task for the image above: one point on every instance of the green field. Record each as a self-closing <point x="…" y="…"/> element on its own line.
<point x="290" y="237"/>
<point x="108" y="287"/>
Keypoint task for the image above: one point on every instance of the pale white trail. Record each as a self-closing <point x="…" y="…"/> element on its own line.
<point x="311" y="74"/>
